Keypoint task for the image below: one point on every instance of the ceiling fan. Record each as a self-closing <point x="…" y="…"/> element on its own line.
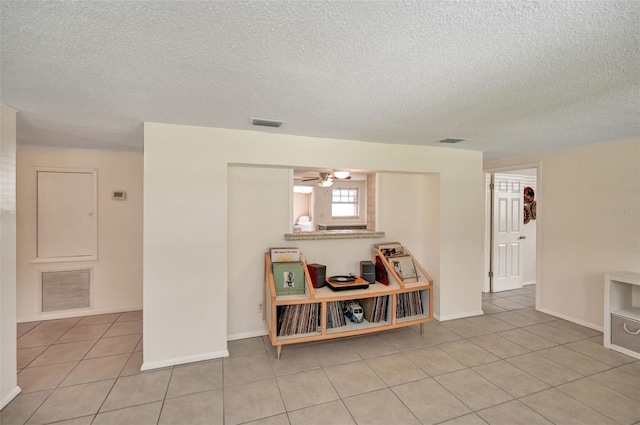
<point x="326" y="179"/>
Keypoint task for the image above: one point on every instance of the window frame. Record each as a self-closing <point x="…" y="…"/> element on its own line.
<point x="355" y="202"/>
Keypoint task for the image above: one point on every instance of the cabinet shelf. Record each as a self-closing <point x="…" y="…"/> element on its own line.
<point x="325" y="296"/>
<point x="292" y="299"/>
<point x="630" y="312"/>
<point x="374" y="290"/>
<point x="298" y="336"/>
<point x="413" y="319"/>
<point x="358" y="327"/>
<point x="622" y="312"/>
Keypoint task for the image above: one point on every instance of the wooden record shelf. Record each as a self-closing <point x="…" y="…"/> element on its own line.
<point x="299" y="318"/>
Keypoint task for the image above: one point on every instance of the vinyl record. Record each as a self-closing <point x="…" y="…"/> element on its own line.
<point x="342" y="279"/>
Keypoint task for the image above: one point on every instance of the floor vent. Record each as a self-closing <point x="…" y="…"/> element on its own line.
<point x="66" y="290"/>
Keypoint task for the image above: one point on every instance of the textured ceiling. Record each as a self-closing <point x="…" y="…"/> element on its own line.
<point x="512" y="77"/>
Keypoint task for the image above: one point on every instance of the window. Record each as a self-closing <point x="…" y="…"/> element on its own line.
<point x="344" y="202"/>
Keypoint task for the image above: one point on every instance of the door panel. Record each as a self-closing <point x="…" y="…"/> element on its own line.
<point x="515" y="260"/>
<point x="501" y="261"/>
<point x="66" y="215"/>
<point x="508" y="211"/>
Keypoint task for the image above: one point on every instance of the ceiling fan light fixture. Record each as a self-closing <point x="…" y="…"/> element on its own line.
<point x="341" y="174"/>
<point x="328" y="182"/>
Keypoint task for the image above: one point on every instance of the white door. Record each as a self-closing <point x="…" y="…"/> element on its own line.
<point x="507" y="233"/>
<point x="66" y="219"/>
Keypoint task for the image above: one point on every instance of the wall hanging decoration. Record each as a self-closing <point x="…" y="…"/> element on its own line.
<point x="529" y="205"/>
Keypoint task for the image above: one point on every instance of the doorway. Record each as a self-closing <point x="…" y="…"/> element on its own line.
<point x="511" y="228"/>
<point x="303" y="202"/>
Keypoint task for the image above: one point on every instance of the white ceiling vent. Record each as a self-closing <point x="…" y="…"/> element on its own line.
<point x="266" y="123"/>
<point x="451" y="140"/>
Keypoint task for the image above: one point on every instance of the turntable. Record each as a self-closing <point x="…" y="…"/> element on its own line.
<point x="341" y="283"/>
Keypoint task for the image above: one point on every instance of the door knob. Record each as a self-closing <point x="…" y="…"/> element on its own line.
<point x="522" y="237"/>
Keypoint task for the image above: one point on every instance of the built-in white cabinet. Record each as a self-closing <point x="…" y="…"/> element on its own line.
<point x="622" y="312"/>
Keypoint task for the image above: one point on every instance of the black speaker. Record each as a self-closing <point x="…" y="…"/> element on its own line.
<point x="368" y="271"/>
<point x="318" y="274"/>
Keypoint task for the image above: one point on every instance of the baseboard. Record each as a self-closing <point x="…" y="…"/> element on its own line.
<point x="458" y="315"/>
<point x="572" y="319"/>
<point x="245" y="335"/>
<point x="13" y="394"/>
<point x="184" y="360"/>
<point x="76" y="313"/>
<point x="530" y="282"/>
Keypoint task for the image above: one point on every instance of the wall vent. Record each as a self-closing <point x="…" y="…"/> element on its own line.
<point x="66" y="290"/>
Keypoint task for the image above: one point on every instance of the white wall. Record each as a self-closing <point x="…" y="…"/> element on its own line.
<point x="185" y="245"/>
<point x="8" y="365"/>
<point x="257" y="220"/>
<point x="529" y="253"/>
<point x="194" y="250"/>
<point x="248" y="229"/>
<point x="431" y="246"/>
<point x="589" y="221"/>
<point x="117" y="273"/>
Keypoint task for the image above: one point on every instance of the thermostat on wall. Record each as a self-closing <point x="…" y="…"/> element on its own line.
<point x="119" y="195"/>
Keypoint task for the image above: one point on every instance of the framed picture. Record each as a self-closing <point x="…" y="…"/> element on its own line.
<point x="404" y="267"/>
<point x="391" y="249"/>
<point x="289" y="278"/>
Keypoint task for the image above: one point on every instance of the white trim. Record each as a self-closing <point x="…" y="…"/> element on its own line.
<point x="291" y="181"/>
<point x="64" y="259"/>
<point x="128" y="150"/>
<point x="13" y="394"/>
<point x="458" y="315"/>
<point x="183" y="360"/>
<point x="571" y="319"/>
<point x="623" y="351"/>
<point x="486" y="233"/>
<point x="539" y="220"/>
<point x="529" y="282"/>
<point x="244" y="335"/>
<point x="77" y="313"/>
<point x="516" y="167"/>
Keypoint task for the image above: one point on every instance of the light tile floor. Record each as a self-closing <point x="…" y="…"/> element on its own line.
<point x="511" y="366"/>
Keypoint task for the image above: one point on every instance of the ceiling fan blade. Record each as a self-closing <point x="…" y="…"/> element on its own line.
<point x="310" y="180"/>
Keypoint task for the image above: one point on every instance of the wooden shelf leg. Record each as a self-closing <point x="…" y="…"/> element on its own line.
<point x="279" y="350"/>
<point x="421" y="328"/>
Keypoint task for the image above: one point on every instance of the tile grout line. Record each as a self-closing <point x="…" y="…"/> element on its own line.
<point x="58" y="386"/>
<point x="166" y="393"/>
<point x="402" y="351"/>
<point x="582" y="377"/>
<point x="62" y="380"/>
